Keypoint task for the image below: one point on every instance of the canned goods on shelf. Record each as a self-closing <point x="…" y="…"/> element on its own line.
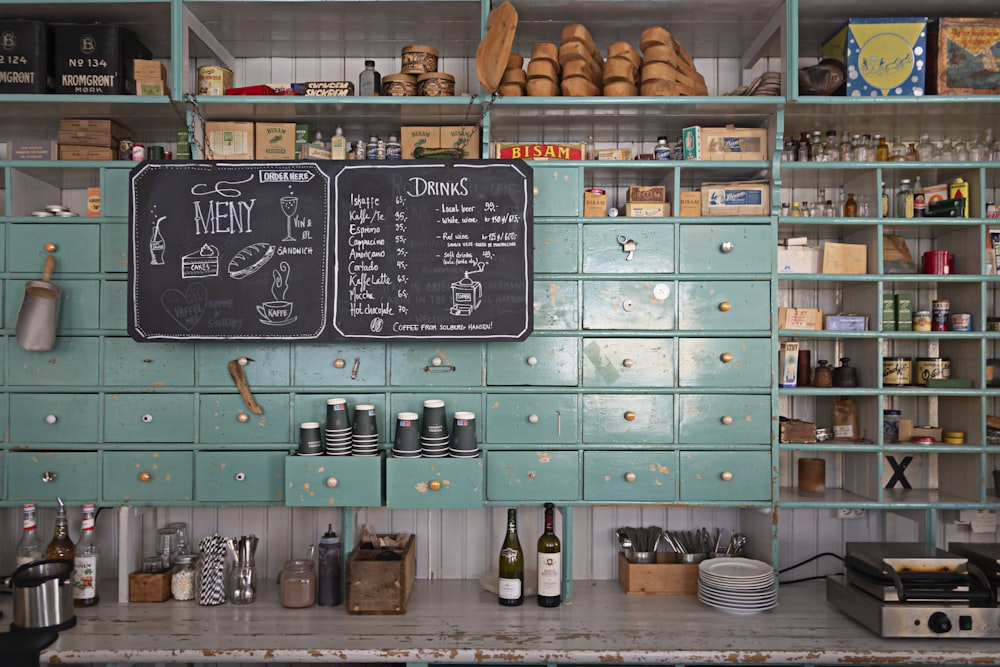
<point x="940" y="313"/>
<point x="896" y="371"/>
<point x="926" y="368"/>
<point x="138" y="152"/>
<point x="961" y="321"/>
<point x="922" y="320"/>
<point x="954" y="437"/>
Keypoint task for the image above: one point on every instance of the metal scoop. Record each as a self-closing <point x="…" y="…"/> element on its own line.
<point x="36" y="322"/>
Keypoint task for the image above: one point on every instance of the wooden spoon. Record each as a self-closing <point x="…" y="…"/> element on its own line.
<point x="494" y="51"/>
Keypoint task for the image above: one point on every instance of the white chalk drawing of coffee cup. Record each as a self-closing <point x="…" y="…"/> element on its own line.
<point x="279" y="310"/>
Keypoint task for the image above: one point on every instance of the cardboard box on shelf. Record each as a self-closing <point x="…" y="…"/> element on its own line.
<point x="274" y="141"/>
<point x="96" y="126"/>
<point x="689" y="202"/>
<point x="464" y="136"/>
<point x="148" y="587"/>
<point x="646" y="193"/>
<point x="511" y="151"/>
<point x="845" y="258"/>
<point x="846" y="322"/>
<point x="883" y="56"/>
<point x="26" y="66"/>
<point x="21" y="149"/>
<point x="229" y="140"/>
<point x="595" y="204"/>
<point x="648" y="210"/>
<point x="888" y="312"/>
<point x="146" y="87"/>
<point x="725" y="143"/>
<point x="789" y="364"/>
<point x="87" y="153"/>
<point x="614" y="154"/>
<point x="412" y="137"/>
<point x="736" y="198"/>
<point x="964" y="54"/>
<point x="800" y="259"/>
<point x="801" y="319"/>
<point x="149" y="70"/>
<point x="94" y="202"/>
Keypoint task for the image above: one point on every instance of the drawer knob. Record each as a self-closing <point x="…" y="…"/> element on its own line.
<point x="240" y="476"/>
<point x="48" y="477"/>
<point x="628" y="363"/>
<point x="533" y="419"/>
<point x="726" y="247"/>
<point x="436" y="361"/>
<point x="51" y="419"/>
<point x="147" y="418"/>
<point x="630" y="477"/>
<point x="726" y="357"/>
<point x="339" y="363"/>
<point x="532" y="360"/>
<point x="145" y="476"/>
<point x="727" y="420"/>
<point x="630" y="416"/>
<point x="435" y="485"/>
<point x="242" y="417"/>
<point x="725" y="306"/>
<point x="726" y="476"/>
<point x="50" y="247"/>
<point x="331" y="482"/>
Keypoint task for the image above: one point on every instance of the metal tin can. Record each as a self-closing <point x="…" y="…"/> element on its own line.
<point x="953" y="437"/>
<point x="961" y="321"/>
<point x="926" y="368"/>
<point x="890" y="425"/>
<point x="940" y="312"/>
<point x="959" y="189"/>
<point x="922" y="320"/>
<point x="992" y="372"/>
<point x="896" y="371"/>
<point x="155" y="152"/>
<point x="993" y="323"/>
<point x="214" y="80"/>
<point x="138" y="152"/>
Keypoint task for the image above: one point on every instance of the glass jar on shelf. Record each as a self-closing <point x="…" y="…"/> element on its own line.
<point x="298" y="583"/>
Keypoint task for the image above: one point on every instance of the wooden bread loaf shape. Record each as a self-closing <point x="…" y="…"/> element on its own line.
<point x="578" y="68"/>
<point x="514" y="75"/>
<point x="624" y="50"/>
<point x="578" y="86"/>
<point x="545" y="51"/>
<point x="620" y="69"/>
<point x="569" y="51"/>
<point x="513" y="89"/>
<point x="543" y="69"/>
<point x="515" y="61"/>
<point x="542" y="88"/>
<point x="656" y="35"/>
<point x="576" y="32"/>
<point x="620" y="89"/>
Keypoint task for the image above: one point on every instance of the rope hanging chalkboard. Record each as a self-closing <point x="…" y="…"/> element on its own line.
<point x="331" y="250"/>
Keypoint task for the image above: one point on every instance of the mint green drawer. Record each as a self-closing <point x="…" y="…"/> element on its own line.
<point x="628" y="419"/>
<point x="225" y="419"/>
<point x="452" y="403"/>
<point x="722" y="419"/>
<point x="80" y="307"/>
<point x="312" y="408"/>
<point x="114" y="247"/>
<point x="726" y="249"/>
<point x="3" y="242"/>
<point x="76" y="247"/>
<point x="148" y="476"/>
<point x="131" y="364"/>
<point x="724" y="362"/>
<point x="558" y="191"/>
<point x="45" y="476"/>
<point x="532" y="476"/>
<point x="239" y="477"/>
<point x="270" y="366"/>
<point x="532" y="419"/>
<point x="114" y="305"/>
<point x="628" y="362"/>
<point x="149" y="417"/>
<point x="555" y="303"/>
<point x="730" y="476"/>
<point x="556" y="248"/>
<point x="114" y="192"/>
<point x="445" y="483"/>
<point x="72" y="361"/>
<point x="628" y="305"/>
<point x="333" y="481"/>
<point x="45" y="418"/>
<point x="538" y="360"/>
<point x="603" y="251"/>
<point x="723" y="305"/>
<point x="445" y="364"/>
<point x="630" y="476"/>
<point x="339" y="365"/>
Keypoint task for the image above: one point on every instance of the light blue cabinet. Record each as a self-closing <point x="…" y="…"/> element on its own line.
<point x="537" y="361"/>
<point x="616" y="476"/>
<point x="558" y="190"/>
<point x="149" y="417"/>
<point x="40" y="419"/>
<point x="160" y="477"/>
<point x="736" y="476"/>
<point x="428" y="483"/>
<point x="333" y="481"/>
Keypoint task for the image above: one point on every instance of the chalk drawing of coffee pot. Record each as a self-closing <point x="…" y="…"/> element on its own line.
<point x="467" y="294"/>
<point x="278" y="311"/>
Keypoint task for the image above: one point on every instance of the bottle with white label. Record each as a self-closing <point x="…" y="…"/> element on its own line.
<point x="85" y="562"/>
<point x="549" y="592"/>
<point x="511" y="571"/>
<point x="338" y="145"/>
<point x="30" y="548"/>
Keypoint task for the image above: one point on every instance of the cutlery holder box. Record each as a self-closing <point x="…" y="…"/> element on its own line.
<point x="664" y="577"/>
<point x="148" y="587"/>
<point x="376" y="586"/>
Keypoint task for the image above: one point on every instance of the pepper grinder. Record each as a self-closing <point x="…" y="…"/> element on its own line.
<point x="328" y="587"/>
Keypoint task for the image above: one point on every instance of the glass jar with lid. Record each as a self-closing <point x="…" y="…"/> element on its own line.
<point x="298" y="583"/>
<point x="183" y="576"/>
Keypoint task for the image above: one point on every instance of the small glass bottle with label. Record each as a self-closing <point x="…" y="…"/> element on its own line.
<point x="369" y="81"/>
<point x="662" y="149"/>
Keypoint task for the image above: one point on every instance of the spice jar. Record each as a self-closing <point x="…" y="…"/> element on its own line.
<point x="298" y="584"/>
<point x="182" y="578"/>
<point x="823" y="375"/>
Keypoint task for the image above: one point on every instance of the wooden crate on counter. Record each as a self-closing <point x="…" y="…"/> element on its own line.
<point x="378" y="586"/>
<point x="664" y="577"/>
<point x="148" y="587"/>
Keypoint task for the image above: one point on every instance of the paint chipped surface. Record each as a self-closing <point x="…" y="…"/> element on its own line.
<point x="544" y="457"/>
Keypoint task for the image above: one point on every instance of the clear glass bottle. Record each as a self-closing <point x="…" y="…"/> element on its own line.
<point x="183" y="576"/>
<point x="60" y="547"/>
<point x="677" y="149"/>
<point x="393" y="149"/>
<point x="926" y="151"/>
<point x="511" y="572"/>
<point x="359" y="150"/>
<point x="977" y="149"/>
<point x="30" y="548"/>
<point x="788" y="152"/>
<point x="946" y="153"/>
<point x="796" y="211"/>
<point x="804" y="154"/>
<point x="911" y="153"/>
<point x="369" y="81"/>
<point x="897" y="152"/>
<point x="841" y="202"/>
<point x="829" y="210"/>
<point x="298" y="584"/>
<point x="846" y="148"/>
<point x="338" y="145"/>
<point x="591" y="148"/>
<point x="831" y="149"/>
<point x="816" y="151"/>
<point x="549" y="591"/>
<point x="884" y="196"/>
<point x="867" y="150"/>
<point x="961" y="148"/>
<point x="904" y="199"/>
<point x="85" y="563"/>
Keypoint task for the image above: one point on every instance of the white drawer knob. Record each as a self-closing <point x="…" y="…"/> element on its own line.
<point x="532" y="360"/>
<point x="436" y="361"/>
<point x="147" y="418"/>
<point x="727" y="420"/>
<point x="242" y="417"/>
<point x="630" y="477"/>
<point x="331" y="482"/>
<point x="51" y="419"/>
<point x="240" y="476"/>
<point x="533" y="419"/>
<point x="628" y="363"/>
<point x="726" y="247"/>
<point x="726" y="476"/>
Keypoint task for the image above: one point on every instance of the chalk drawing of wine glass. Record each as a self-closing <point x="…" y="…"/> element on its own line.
<point x="288" y="207"/>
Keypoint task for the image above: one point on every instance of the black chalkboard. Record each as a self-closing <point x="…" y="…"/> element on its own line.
<point x="330" y="250"/>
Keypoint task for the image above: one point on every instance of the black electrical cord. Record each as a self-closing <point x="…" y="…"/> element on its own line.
<point x="805" y="562"/>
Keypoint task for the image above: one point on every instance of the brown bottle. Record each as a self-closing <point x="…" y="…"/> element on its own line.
<point x="823" y="375"/>
<point x="850" y="206"/>
<point x="60" y="547"/>
<point x="882" y="151"/>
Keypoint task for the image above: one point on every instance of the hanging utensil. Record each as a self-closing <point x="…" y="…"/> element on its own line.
<point x="36" y="322"/>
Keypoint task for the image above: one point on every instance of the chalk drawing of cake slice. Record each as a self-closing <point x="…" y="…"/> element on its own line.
<point x="203" y="263"/>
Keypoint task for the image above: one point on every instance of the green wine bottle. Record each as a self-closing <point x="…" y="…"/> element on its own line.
<point x="511" y="579"/>
<point x="549" y="591"/>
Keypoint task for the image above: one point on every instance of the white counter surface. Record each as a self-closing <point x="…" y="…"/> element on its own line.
<point x="456" y="621"/>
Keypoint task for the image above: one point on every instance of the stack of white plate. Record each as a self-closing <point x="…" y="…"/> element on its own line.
<point x="737" y="585"/>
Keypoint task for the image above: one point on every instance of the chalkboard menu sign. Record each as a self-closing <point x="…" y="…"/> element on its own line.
<point x="330" y="250"/>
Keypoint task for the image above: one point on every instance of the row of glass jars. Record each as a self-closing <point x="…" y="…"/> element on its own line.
<point x="813" y="147"/>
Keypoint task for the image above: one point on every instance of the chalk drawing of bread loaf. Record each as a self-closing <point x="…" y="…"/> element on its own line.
<point x="250" y="260"/>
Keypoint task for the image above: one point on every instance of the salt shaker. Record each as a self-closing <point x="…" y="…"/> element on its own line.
<point x="328" y="589"/>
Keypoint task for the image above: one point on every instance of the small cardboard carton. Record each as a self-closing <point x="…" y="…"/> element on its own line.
<point x="595" y="204"/>
<point x="648" y="210"/>
<point x="646" y="193"/>
<point x="964" y="54"/>
<point x="845" y="258"/>
<point x="801" y="319"/>
<point x="226" y="140"/>
<point x="884" y="56"/>
<point x="725" y="143"/>
<point x="274" y="141"/>
<point x="736" y="198"/>
<point x="799" y="259"/>
<point x="689" y="202"/>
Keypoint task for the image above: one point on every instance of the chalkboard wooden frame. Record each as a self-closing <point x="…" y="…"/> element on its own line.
<point x="331" y="250"/>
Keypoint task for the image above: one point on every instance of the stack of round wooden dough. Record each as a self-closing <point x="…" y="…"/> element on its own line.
<point x="514" y="81"/>
<point x="667" y="67"/>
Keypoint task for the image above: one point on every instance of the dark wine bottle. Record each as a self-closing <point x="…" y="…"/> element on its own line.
<point x="511" y="579"/>
<point x="549" y="591"/>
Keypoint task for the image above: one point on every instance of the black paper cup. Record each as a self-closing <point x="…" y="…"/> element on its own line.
<point x="407" y="432"/>
<point x="364" y="421"/>
<point x="435" y="422"/>
<point x="463" y="431"/>
<point x="310" y="440"/>
<point x="337" y="418"/>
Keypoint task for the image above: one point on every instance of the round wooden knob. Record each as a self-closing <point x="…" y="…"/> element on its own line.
<point x="339" y="363"/>
<point x="533" y="419"/>
<point x="51" y="419"/>
<point x="331" y="482"/>
<point x="534" y="191"/>
<point x="630" y="416"/>
<point x="50" y="247"/>
<point x="243" y="417"/>
<point x="727" y="420"/>
<point x="435" y="485"/>
<point x="48" y="477"/>
<point x="628" y="363"/>
<point x="726" y="357"/>
<point x="532" y="474"/>
<point x="532" y="360"/>
<point x="725" y="306"/>
<point x="726" y="476"/>
<point x="630" y="477"/>
<point x="145" y="476"/>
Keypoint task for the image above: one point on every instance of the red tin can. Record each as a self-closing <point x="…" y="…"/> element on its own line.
<point x="940" y="262"/>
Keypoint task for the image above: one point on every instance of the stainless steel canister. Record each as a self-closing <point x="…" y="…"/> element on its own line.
<point x="43" y="596"/>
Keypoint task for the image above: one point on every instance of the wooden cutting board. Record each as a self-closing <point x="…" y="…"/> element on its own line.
<point x="494" y="50"/>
